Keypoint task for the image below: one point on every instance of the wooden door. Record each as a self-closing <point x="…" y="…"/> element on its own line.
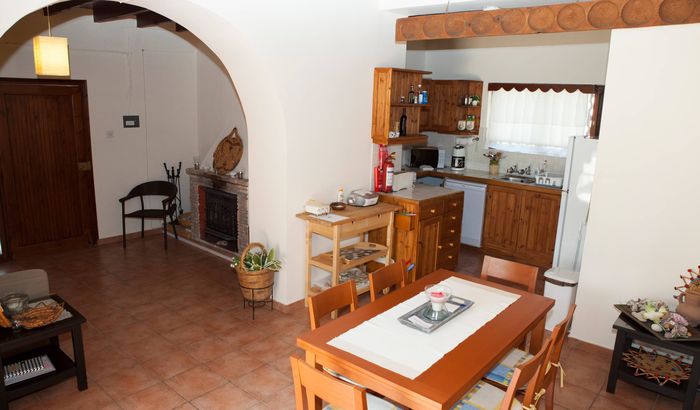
<point x="46" y="163"/>
<point x="428" y="237"/>
<point x="442" y="106"/>
<point x="501" y="217"/>
<point x="539" y="216"/>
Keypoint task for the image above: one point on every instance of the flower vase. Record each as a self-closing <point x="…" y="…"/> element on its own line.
<point x="493" y="169"/>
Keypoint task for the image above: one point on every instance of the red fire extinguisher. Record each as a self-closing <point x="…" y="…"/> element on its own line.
<point x="389" y="172"/>
<point x="380" y="170"/>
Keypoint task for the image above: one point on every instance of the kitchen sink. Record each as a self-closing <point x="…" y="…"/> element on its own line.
<point x="518" y="178"/>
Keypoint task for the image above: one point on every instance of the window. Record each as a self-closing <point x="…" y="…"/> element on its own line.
<point x="540" y="118"/>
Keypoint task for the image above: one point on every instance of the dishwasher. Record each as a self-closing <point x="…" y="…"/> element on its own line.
<point x="473" y="210"/>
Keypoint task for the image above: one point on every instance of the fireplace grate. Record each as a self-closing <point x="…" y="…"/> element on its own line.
<point x="221" y="216"/>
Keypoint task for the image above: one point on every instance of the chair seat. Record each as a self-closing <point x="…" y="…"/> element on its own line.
<point x="503" y="372"/>
<point x="147" y="213"/>
<point x="484" y="396"/>
<point x="373" y="403"/>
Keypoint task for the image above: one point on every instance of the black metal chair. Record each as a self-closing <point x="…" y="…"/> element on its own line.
<point x="152" y="188"/>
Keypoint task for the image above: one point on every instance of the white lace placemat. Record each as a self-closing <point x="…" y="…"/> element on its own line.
<point x="384" y="341"/>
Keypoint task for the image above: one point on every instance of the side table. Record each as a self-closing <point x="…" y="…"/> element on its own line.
<point x="627" y="332"/>
<point x="20" y="344"/>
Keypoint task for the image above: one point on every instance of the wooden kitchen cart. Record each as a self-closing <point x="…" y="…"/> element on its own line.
<point x="357" y="223"/>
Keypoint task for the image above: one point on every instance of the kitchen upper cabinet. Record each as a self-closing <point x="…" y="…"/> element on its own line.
<point x="521" y="224"/>
<point x="447" y="106"/>
<point x="501" y="219"/>
<point x="539" y="217"/>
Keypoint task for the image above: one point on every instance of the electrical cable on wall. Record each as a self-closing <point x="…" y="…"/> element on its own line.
<point x="145" y="108"/>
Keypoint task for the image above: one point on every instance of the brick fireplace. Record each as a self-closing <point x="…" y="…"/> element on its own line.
<point x="220" y="210"/>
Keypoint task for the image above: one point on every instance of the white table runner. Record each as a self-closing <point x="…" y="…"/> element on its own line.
<point x="384" y="341"/>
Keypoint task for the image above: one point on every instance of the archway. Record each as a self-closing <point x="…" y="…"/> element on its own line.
<point x="259" y="98"/>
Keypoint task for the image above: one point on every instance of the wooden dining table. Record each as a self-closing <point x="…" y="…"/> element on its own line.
<point x="446" y="381"/>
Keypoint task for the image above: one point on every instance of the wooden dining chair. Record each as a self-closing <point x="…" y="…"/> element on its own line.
<point x="311" y="386"/>
<point x="503" y="373"/>
<point x="487" y="396"/>
<point x="389" y="277"/>
<point x="513" y="272"/>
<point x="330" y="300"/>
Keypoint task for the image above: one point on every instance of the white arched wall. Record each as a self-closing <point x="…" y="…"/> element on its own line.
<point x="303" y="72"/>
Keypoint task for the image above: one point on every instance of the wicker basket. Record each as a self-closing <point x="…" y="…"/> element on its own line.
<point x="256" y="286"/>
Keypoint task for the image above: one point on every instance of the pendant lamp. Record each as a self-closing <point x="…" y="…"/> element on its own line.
<point x="51" y="54"/>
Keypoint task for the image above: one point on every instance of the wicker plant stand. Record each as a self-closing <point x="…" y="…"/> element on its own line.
<point x="256" y="286"/>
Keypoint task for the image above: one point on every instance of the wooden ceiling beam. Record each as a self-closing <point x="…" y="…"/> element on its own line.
<point x="180" y="28"/>
<point x="66" y="5"/>
<point x="555" y="18"/>
<point x="110" y="10"/>
<point x="150" y="18"/>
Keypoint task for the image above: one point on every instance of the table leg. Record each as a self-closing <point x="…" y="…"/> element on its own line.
<point x="537" y="337"/>
<point x="54" y="341"/>
<point x="615" y="362"/>
<point x="311" y="361"/>
<point x="79" y="357"/>
<point x="689" y="402"/>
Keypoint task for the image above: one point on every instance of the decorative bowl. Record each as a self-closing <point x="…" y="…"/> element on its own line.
<point x="438" y="295"/>
<point x="15" y="303"/>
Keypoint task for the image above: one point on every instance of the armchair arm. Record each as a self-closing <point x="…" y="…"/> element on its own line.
<point x="167" y="201"/>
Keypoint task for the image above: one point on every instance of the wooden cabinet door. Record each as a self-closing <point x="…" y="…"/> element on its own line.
<point x="539" y="217"/>
<point x="428" y="237"/>
<point x="501" y="219"/>
<point x="442" y="106"/>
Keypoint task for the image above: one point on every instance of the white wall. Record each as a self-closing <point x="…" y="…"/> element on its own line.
<point x="149" y="72"/>
<point x="575" y="58"/>
<point x="644" y="224"/>
<point x="218" y="108"/>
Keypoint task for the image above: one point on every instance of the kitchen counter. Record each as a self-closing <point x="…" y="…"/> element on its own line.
<point x="422" y="192"/>
<point x="482" y="177"/>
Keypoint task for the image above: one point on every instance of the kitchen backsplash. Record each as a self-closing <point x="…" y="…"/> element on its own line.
<point x="477" y="161"/>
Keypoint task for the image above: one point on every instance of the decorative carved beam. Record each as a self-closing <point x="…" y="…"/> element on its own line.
<point x="110" y="10"/>
<point x="555" y="18"/>
<point x="66" y="5"/>
<point x="149" y="18"/>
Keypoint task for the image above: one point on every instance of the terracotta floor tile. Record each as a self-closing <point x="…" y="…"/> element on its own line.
<point x="128" y="381"/>
<point x="283" y="400"/>
<point x="156" y="397"/>
<point x="208" y="349"/>
<point x="573" y="397"/>
<point x="268" y="350"/>
<point x="630" y="395"/>
<point x="92" y="398"/>
<point x="105" y="362"/>
<point x="166" y="321"/>
<point x="195" y="382"/>
<point x="263" y="383"/>
<point x="185" y="406"/>
<point x="219" y="321"/>
<point x="234" y="365"/>
<point x="149" y="348"/>
<point x="241" y="336"/>
<point x="187" y="334"/>
<point x="225" y="397"/>
<point x="169" y="364"/>
<point x="603" y="403"/>
<point x="579" y="373"/>
<point x="130" y="333"/>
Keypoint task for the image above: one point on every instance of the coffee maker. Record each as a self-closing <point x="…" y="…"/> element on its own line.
<point x="459" y="156"/>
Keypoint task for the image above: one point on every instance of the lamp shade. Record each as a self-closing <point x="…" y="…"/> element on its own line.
<point x="51" y="56"/>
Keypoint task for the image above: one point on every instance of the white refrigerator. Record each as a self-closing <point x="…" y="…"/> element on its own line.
<point x="575" y="201"/>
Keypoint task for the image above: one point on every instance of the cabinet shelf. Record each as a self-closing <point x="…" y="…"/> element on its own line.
<point x="408" y="139"/>
<point x="411" y="105"/>
<point x="325" y="260"/>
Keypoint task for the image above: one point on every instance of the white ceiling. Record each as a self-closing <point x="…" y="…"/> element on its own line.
<point x="415" y="7"/>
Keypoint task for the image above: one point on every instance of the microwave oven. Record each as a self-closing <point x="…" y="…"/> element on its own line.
<point x="427" y="156"/>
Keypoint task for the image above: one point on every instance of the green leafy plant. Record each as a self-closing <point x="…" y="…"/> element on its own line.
<point x="256" y="261"/>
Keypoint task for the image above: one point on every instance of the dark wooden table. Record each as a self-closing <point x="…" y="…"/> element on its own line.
<point x="20" y="344"/>
<point x="627" y="332"/>
<point x="449" y="378"/>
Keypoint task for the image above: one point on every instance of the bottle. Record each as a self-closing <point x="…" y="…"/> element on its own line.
<point x="389" y="173"/>
<point x="425" y="96"/>
<point x="341" y="195"/>
<point x="411" y="96"/>
<point x="419" y="100"/>
<point x="402" y="123"/>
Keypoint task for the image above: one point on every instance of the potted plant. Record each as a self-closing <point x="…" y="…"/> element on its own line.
<point x="475" y="100"/>
<point x="494" y="158"/>
<point x="256" y="272"/>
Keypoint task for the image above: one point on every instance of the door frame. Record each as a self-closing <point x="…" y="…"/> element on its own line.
<point x="86" y="178"/>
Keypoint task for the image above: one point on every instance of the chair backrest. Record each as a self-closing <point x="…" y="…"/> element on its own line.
<point x="554" y="355"/>
<point x="33" y="282"/>
<point x="526" y="373"/>
<point x="310" y="384"/>
<point x="514" y="272"/>
<point x="330" y="300"/>
<point x="160" y="188"/>
<point x="392" y="276"/>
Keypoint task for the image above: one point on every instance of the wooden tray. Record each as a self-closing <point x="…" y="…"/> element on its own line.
<point x="694" y="332"/>
<point x="433" y="325"/>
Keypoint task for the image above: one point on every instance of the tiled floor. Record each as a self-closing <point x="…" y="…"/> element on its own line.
<point x="167" y="330"/>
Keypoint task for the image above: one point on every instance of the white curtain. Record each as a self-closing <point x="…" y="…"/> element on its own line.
<point x="537" y="122"/>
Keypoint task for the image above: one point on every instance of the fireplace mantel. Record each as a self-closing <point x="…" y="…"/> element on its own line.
<point x="237" y="186"/>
